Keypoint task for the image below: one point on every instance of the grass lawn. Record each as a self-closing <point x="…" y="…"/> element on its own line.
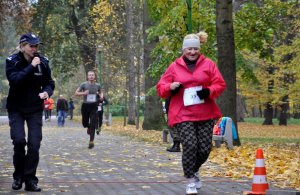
<point x="290" y="121"/>
<point x="255" y="132"/>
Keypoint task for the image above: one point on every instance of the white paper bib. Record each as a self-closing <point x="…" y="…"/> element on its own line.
<point x="190" y="96"/>
<point x="91" y="98"/>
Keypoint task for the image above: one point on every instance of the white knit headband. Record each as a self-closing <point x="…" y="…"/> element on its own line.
<point x="191" y="43"/>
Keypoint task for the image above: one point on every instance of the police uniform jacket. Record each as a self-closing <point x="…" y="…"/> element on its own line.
<point x="26" y="82"/>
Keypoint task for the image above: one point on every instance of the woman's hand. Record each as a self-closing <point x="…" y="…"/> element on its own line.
<point x="204" y="93"/>
<point x="174" y="85"/>
<point x="36" y="61"/>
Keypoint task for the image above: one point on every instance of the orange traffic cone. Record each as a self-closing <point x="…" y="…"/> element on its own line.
<point x="259" y="184"/>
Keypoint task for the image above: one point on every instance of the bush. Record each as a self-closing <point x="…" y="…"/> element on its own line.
<point x="117" y="110"/>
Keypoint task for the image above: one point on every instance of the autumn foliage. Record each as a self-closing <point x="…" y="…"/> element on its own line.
<point x="281" y="146"/>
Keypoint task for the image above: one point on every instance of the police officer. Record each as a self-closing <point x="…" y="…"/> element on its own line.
<point x="30" y="83"/>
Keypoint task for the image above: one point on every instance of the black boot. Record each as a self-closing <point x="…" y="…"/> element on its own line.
<point x="32" y="187"/>
<point x="171" y="148"/>
<point x="175" y="147"/>
<point x="17" y="184"/>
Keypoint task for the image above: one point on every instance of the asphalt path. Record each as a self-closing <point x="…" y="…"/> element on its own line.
<point x="116" y="165"/>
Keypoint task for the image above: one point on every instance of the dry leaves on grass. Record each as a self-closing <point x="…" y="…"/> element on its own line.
<point x="151" y="136"/>
<point x="282" y="160"/>
<point x="250" y="130"/>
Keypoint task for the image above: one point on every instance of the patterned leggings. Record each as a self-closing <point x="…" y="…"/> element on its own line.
<point x="196" y="140"/>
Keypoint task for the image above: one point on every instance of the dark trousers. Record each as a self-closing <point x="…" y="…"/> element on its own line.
<point x="174" y="134"/>
<point x="46" y="112"/>
<point x="61" y="116"/>
<point x="25" y="163"/>
<point x="100" y="118"/>
<point x="49" y="114"/>
<point x="71" y="113"/>
<point x="196" y="140"/>
<point x="89" y="117"/>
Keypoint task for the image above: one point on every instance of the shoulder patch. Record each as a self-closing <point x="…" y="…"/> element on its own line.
<point x="13" y="58"/>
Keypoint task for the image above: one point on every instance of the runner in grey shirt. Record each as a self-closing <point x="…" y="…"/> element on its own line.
<point x="92" y="95"/>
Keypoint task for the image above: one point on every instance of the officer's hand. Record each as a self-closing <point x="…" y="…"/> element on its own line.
<point x="43" y="95"/>
<point x="35" y="61"/>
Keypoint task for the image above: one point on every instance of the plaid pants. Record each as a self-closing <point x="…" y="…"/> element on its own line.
<point x="196" y="140"/>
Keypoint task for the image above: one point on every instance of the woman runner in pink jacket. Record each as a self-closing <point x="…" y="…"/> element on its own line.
<point x="193" y="81"/>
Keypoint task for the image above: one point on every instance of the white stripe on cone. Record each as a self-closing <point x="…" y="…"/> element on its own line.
<point x="259" y="179"/>
<point x="259" y="163"/>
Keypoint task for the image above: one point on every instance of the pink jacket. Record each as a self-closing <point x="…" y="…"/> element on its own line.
<point x="205" y="74"/>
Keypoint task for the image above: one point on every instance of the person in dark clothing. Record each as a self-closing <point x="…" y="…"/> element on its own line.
<point x="91" y="92"/>
<point x="30" y="83"/>
<point x="174" y="134"/>
<point x="62" y="110"/>
<point x="100" y="114"/>
<point x="71" y="108"/>
<point x="46" y="109"/>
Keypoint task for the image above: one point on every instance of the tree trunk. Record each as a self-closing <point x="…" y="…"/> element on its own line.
<point x="256" y="112"/>
<point x="268" y="114"/>
<point x="87" y="47"/>
<point x="253" y="111"/>
<point x="260" y="111"/>
<point x="241" y="108"/>
<point x="275" y="113"/>
<point x="131" y="69"/>
<point x="284" y="110"/>
<point x="153" y="116"/>
<point x="288" y="78"/>
<point x="226" y="59"/>
<point x="297" y="113"/>
<point x="140" y="51"/>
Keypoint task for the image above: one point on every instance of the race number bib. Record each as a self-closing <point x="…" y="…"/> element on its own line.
<point x="91" y="98"/>
<point x="190" y="96"/>
<point x="99" y="108"/>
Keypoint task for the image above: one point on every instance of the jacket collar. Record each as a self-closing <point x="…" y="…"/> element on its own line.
<point x="181" y="62"/>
